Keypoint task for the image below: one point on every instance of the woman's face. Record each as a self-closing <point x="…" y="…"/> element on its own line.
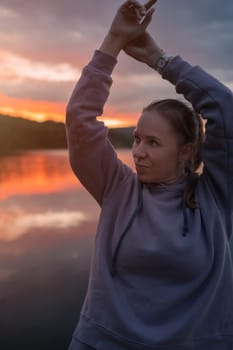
<point x="157" y="155"/>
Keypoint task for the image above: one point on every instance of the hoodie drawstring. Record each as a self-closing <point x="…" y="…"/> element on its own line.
<point x="186" y="228"/>
<point x="115" y="255"/>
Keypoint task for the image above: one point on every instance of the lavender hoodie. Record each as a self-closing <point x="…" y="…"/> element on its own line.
<point x="161" y="274"/>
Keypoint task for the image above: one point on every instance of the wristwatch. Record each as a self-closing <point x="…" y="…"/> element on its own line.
<point x="162" y="62"/>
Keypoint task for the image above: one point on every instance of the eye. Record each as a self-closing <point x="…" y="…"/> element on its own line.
<point x="153" y="142"/>
<point x="136" y="139"/>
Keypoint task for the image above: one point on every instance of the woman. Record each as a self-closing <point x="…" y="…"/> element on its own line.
<point x="161" y="275"/>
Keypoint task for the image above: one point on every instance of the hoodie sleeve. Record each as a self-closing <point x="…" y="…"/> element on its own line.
<point x="214" y="102"/>
<point x="92" y="157"/>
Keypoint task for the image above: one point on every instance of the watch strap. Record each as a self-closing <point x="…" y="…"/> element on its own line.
<point x="162" y="62"/>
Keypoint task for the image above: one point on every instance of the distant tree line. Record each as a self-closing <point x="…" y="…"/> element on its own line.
<point x="18" y="134"/>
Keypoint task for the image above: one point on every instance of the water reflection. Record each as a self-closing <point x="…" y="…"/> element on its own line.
<point x="47" y="226"/>
<point x="35" y="172"/>
<point x="13" y="225"/>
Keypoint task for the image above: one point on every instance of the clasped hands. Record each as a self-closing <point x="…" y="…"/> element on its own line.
<point x="128" y="32"/>
<point x="131" y="20"/>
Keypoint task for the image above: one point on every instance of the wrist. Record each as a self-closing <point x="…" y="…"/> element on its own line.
<point x="154" y="58"/>
<point x="112" y="44"/>
<point x="160" y="62"/>
<point x="154" y="54"/>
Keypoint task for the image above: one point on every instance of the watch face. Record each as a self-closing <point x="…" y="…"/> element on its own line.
<point x="161" y="62"/>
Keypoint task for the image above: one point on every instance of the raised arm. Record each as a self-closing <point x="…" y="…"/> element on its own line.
<point x="212" y="100"/>
<point x="92" y="157"/>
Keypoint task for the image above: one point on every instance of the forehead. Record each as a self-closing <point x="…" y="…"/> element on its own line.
<point x="153" y="124"/>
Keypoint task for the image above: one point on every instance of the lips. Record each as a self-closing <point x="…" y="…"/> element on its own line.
<point x="141" y="167"/>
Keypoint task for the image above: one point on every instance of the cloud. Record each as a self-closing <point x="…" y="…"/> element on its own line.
<point x="202" y="31"/>
<point x="132" y="92"/>
<point x="22" y="78"/>
<point x="68" y="31"/>
<point x="37" y="90"/>
<point x="53" y="30"/>
<point x="16" y="67"/>
<point x="55" y="39"/>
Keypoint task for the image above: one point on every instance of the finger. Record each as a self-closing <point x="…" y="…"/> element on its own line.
<point x="132" y="8"/>
<point x="128" y="49"/>
<point x="129" y="10"/>
<point x="149" y="4"/>
<point x="148" y="18"/>
<point x="130" y="4"/>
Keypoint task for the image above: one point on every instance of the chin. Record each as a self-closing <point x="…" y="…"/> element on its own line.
<point x="144" y="179"/>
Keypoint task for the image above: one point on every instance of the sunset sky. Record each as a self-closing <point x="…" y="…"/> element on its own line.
<point x="45" y="44"/>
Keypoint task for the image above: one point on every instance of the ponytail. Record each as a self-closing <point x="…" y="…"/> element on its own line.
<point x="189" y="128"/>
<point x="193" y="166"/>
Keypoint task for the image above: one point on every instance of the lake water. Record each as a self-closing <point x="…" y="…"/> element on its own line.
<point x="47" y="226"/>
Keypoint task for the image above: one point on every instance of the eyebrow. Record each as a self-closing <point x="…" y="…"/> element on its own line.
<point x="136" y="133"/>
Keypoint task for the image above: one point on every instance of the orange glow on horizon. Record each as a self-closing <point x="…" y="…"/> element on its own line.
<point x="41" y="111"/>
<point x="33" y="110"/>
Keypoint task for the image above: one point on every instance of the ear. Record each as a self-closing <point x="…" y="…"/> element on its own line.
<point x="186" y="151"/>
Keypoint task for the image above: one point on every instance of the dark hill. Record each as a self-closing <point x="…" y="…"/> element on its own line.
<point x="18" y="134"/>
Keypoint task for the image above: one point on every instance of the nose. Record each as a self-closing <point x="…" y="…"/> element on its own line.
<point x="139" y="151"/>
